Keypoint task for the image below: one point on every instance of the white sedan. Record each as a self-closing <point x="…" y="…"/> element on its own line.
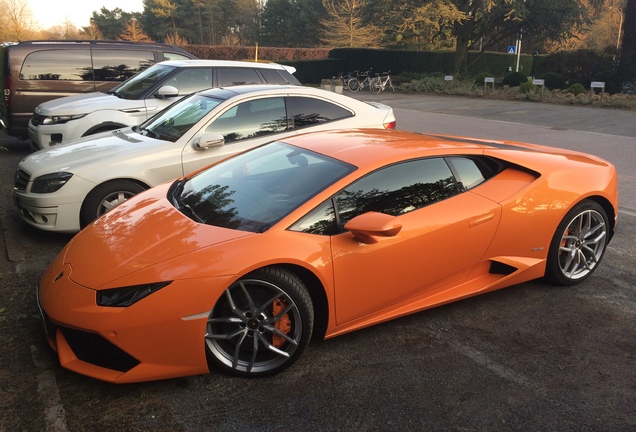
<point x="66" y="187"/>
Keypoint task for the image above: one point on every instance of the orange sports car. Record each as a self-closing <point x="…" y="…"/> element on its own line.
<point x="236" y="266"/>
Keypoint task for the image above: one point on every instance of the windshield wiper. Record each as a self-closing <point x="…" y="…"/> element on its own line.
<point x="114" y="93"/>
<point x="151" y="133"/>
<point x="181" y="205"/>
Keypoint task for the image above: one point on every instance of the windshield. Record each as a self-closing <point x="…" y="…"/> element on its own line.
<point x="256" y="189"/>
<point x="135" y="87"/>
<point x="171" y="123"/>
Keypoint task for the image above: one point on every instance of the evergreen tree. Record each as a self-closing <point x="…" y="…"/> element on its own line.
<point x="627" y="65"/>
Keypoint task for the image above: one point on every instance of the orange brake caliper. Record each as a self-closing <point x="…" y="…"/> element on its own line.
<point x="283" y="324"/>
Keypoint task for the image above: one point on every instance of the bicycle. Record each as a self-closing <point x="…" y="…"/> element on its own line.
<point x="380" y="81"/>
<point x="355" y="83"/>
<point x="344" y="77"/>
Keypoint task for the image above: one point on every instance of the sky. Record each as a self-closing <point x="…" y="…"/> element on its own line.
<point x="49" y="13"/>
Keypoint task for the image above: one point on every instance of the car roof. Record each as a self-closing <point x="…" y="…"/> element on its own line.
<point x="222" y="63"/>
<point x="231" y="91"/>
<point x="376" y="146"/>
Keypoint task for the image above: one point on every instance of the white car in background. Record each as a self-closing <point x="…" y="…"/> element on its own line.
<point x="142" y="96"/>
<point x="64" y="188"/>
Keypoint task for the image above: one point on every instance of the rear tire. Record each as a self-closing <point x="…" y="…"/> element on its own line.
<point x="578" y="245"/>
<point x="375" y="86"/>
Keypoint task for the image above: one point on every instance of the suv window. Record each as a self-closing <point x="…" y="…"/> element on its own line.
<point x="273" y="76"/>
<point x="237" y="76"/>
<point x="310" y="111"/>
<point x="118" y="65"/>
<point x="191" y="80"/>
<point x="174" y="56"/>
<point x="136" y="87"/>
<point x="69" y="65"/>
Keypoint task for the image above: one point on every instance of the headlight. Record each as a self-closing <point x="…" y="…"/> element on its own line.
<point x="50" y="182"/>
<point x="61" y="119"/>
<point x="126" y="296"/>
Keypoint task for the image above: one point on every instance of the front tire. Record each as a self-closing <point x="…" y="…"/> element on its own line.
<point x="261" y="324"/>
<point x="578" y="244"/>
<point x="354" y="84"/>
<point x="106" y="196"/>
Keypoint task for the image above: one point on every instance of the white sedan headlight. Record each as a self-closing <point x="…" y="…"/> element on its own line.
<point x="49" y="183"/>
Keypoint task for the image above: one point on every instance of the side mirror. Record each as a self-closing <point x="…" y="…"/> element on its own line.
<point x="166" y="92"/>
<point x="208" y="140"/>
<point x="368" y="225"/>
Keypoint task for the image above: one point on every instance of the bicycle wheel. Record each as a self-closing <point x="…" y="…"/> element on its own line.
<point x="391" y="84"/>
<point x="354" y="84"/>
<point x="375" y="86"/>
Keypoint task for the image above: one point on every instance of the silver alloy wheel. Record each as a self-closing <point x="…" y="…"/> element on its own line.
<point x="113" y="199"/>
<point x="582" y="244"/>
<point x="254" y="328"/>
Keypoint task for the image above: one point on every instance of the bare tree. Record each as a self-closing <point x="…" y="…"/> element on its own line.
<point x="16" y="21"/>
<point x="344" y="26"/>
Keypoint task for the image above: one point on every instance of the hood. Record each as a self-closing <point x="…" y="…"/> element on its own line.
<point x="85" y="153"/>
<point x="86" y="103"/>
<point x="140" y="234"/>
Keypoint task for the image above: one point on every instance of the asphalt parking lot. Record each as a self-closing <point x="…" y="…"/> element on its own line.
<point x="527" y="358"/>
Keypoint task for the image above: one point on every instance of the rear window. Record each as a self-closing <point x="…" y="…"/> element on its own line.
<point x="272" y="76"/>
<point x="118" y="65"/>
<point x="237" y="76"/>
<point x="58" y="65"/>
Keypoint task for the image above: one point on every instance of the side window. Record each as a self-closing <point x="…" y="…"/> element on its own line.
<point x="468" y="173"/>
<point x="393" y="190"/>
<point x="272" y="76"/>
<point x="237" y="76"/>
<point x="310" y="111"/>
<point x="251" y="119"/>
<point x="398" y="189"/>
<point x="118" y="65"/>
<point x="191" y="80"/>
<point x="62" y="65"/>
<point x="321" y="220"/>
<point x="174" y="56"/>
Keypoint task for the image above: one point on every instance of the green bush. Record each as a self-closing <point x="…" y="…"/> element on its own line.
<point x="576" y="89"/>
<point x="553" y="80"/>
<point x="526" y="87"/>
<point x="479" y="79"/>
<point x="515" y="79"/>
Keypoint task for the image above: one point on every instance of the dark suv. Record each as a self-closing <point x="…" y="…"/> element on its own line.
<point x="37" y="71"/>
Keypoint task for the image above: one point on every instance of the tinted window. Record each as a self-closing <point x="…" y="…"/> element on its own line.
<point x="174" y="56"/>
<point x="468" y="173"/>
<point x="118" y="65"/>
<point x="393" y="190"/>
<point x="251" y="119"/>
<point x="254" y="190"/>
<point x="191" y="80"/>
<point x="138" y="85"/>
<point x="237" y="76"/>
<point x="309" y="111"/>
<point x="273" y="77"/>
<point x="63" y="65"/>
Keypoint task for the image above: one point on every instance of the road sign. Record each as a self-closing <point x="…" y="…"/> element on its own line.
<point x="512" y="49"/>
